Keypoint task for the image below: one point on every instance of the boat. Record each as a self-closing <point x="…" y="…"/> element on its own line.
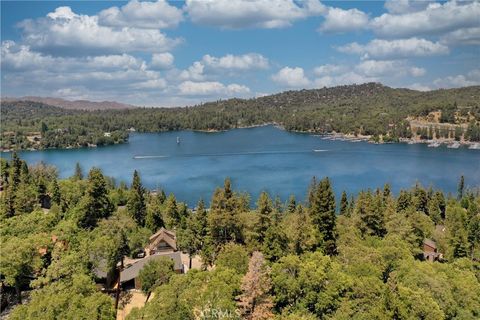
<point x="178" y="140"/>
<point x="475" y="146"/>
<point x="454" y="145"/>
<point x="434" y="145"/>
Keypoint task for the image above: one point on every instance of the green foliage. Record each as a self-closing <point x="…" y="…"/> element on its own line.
<point x="322" y="211"/>
<point x="136" y="200"/>
<point x="155" y="273"/>
<point x="233" y="256"/>
<point x="95" y="204"/>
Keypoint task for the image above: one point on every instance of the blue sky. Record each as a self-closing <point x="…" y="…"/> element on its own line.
<point x="181" y="53"/>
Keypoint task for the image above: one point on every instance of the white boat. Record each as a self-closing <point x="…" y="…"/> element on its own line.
<point x="454" y="145"/>
<point x="178" y="140"/>
<point x="434" y="145"/>
<point x="475" y="146"/>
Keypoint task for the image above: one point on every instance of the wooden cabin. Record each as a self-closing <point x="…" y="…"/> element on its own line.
<point x="430" y="252"/>
<point x="129" y="276"/>
<point x="163" y="241"/>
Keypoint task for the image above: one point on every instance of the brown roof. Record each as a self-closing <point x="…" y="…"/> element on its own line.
<point x="430" y="243"/>
<point x="132" y="271"/>
<point x="165" y="235"/>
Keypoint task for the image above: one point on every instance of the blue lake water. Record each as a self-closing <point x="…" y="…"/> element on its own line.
<point x="267" y="158"/>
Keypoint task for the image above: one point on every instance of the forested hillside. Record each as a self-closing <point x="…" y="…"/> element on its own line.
<point x="282" y="259"/>
<point x="368" y="109"/>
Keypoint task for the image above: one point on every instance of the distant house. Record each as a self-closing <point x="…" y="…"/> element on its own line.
<point x="163" y="241"/>
<point x="107" y="134"/>
<point x="430" y="252"/>
<point x="129" y="276"/>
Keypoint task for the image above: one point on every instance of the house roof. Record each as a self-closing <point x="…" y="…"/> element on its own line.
<point x="133" y="271"/>
<point x="430" y="243"/>
<point x="165" y="235"/>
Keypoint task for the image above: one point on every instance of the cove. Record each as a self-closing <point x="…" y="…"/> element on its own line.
<point x="266" y="158"/>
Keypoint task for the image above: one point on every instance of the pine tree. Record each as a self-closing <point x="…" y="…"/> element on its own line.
<point x="387" y="191"/>
<point x="370" y="211"/>
<point x="136" y="200"/>
<point x="78" y="174"/>
<point x="154" y="219"/>
<point x="95" y="204"/>
<point x="461" y="187"/>
<point x="322" y="211"/>
<point x="56" y="195"/>
<point x="171" y="216"/>
<point x="292" y="204"/>
<point x="264" y="210"/>
<point x="343" y="203"/>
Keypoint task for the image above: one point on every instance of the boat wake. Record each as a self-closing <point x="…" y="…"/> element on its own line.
<point x="247" y="153"/>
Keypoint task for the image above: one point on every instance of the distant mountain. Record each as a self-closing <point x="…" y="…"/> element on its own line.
<point x="76" y="104"/>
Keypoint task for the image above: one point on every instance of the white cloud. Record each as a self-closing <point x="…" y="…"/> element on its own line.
<point x="412" y="47"/>
<point x="148" y="15"/>
<point x="162" y="60"/>
<point x="405" y="6"/>
<point x="329" y="69"/>
<point x="65" y="33"/>
<point x="339" y="20"/>
<point x="210" y="88"/>
<point x="194" y="72"/>
<point x="419" y="87"/>
<point x="240" y="62"/>
<point x="470" y="79"/>
<point x="237" y="14"/>
<point x="343" y="79"/>
<point x="435" y="19"/>
<point x="388" y="68"/>
<point x="291" y="77"/>
<point x="468" y="36"/>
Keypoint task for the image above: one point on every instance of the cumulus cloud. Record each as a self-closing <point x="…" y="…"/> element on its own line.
<point x="413" y="47"/>
<point x="350" y="77"/>
<point x="64" y="32"/>
<point x="435" y="19"/>
<point x="470" y="79"/>
<point x="239" y="62"/>
<point x="405" y="6"/>
<point x="162" y="60"/>
<point x="329" y="69"/>
<point x="237" y="14"/>
<point x="291" y="77"/>
<point x="390" y="68"/>
<point x="466" y="36"/>
<point x="148" y="15"/>
<point x="339" y="20"/>
<point x="210" y="88"/>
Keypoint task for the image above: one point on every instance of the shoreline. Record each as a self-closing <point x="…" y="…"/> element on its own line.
<point x="334" y="136"/>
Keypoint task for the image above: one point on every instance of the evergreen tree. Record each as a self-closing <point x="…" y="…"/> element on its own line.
<point x="370" y="211"/>
<point x="322" y="211"/>
<point x="387" y="191"/>
<point x="154" y="219"/>
<point x="264" y="211"/>
<point x="78" y="174"/>
<point x="95" y="204"/>
<point x="457" y="234"/>
<point x="404" y="201"/>
<point x="171" y="215"/>
<point x="275" y="244"/>
<point x="56" y="195"/>
<point x="292" y="204"/>
<point x="136" y="200"/>
<point x="343" y="203"/>
<point x="461" y="187"/>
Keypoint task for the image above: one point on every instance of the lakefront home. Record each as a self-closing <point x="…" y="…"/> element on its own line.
<point x="161" y="244"/>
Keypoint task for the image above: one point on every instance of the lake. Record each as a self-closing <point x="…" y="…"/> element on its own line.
<point x="267" y="158"/>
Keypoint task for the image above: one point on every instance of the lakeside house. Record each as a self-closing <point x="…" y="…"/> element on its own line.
<point x="163" y="241"/>
<point x="430" y="251"/>
<point x="161" y="244"/>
